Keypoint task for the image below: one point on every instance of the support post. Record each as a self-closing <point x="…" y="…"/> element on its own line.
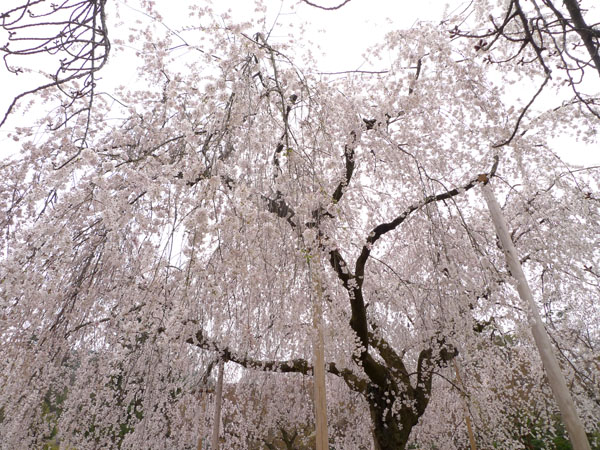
<point x="214" y="442"/>
<point x="202" y="416"/>
<point x="322" y="441"/>
<point x="556" y="378"/>
<point x="467" y="416"/>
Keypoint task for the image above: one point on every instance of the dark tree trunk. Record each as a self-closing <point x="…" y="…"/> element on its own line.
<point x="390" y="432"/>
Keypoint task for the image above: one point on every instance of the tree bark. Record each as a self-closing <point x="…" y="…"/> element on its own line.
<point x="390" y="432"/>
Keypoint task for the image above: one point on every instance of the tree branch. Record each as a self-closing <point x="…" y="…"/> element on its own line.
<point x="383" y="228"/>
<point x="427" y="363"/>
<point x="350" y="164"/>
<point x="280" y="208"/>
<point x="82" y="41"/>
<point x="391" y="358"/>
<point x="525" y="109"/>
<point x="297" y="365"/>
<point x="585" y="31"/>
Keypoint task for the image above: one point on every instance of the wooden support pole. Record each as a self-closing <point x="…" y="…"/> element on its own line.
<point x="202" y="417"/>
<point x="556" y="378"/>
<point x="467" y="416"/>
<point x="322" y="440"/>
<point x="214" y="442"/>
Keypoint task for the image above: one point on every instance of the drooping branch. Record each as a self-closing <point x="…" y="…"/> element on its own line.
<point x="296" y="365"/>
<point x="522" y="114"/>
<point x="384" y="228"/>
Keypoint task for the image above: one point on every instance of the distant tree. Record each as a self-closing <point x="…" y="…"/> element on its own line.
<point x="194" y="227"/>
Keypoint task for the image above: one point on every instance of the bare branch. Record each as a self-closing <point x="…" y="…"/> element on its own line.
<point x="74" y="32"/>
<point x="522" y="114"/>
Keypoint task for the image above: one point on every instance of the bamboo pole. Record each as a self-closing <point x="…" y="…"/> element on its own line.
<point x="214" y="442"/>
<point x="322" y="440"/>
<point x="555" y="376"/>
<point x="467" y="416"/>
<point x="202" y="416"/>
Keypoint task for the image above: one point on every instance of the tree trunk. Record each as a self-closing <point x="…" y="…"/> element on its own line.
<point x="390" y="432"/>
